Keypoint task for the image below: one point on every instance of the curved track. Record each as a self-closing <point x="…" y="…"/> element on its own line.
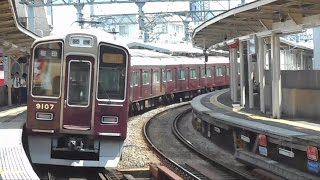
<point x="163" y="135"/>
<point x="235" y="171"/>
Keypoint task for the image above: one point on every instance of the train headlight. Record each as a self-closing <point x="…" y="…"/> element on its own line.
<point x="109" y="120"/>
<point x="44" y="116"/>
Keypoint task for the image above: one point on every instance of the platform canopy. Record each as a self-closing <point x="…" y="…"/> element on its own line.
<point x="172" y="49"/>
<point x="262" y="17"/>
<point x="14" y="38"/>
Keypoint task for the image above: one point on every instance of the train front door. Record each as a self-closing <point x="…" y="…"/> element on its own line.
<point x="77" y="110"/>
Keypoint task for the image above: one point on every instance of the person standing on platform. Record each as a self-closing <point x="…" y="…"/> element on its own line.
<point x="16" y="88"/>
<point x="23" y="88"/>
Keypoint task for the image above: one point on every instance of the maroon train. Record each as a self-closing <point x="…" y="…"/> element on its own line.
<point x="157" y="77"/>
<point x="82" y="85"/>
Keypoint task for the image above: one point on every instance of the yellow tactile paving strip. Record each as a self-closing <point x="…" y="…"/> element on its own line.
<point x="300" y="124"/>
<point x="13" y="111"/>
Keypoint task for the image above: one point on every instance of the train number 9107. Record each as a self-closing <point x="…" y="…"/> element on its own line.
<point x="44" y="106"/>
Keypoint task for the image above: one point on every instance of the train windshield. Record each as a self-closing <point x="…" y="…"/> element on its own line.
<point x="47" y="69"/>
<point x="112" y="73"/>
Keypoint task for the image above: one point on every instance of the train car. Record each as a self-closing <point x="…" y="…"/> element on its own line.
<point x="158" y="77"/>
<point x="78" y="103"/>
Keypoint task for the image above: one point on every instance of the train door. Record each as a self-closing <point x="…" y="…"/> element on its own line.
<point x="175" y="77"/>
<point x="188" y="77"/>
<point x="199" y="75"/>
<point x="140" y="83"/>
<point x="151" y="81"/>
<point x="77" y="111"/>
<point x="161" y="80"/>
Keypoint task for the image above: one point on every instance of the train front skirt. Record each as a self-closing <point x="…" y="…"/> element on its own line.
<point x="41" y="152"/>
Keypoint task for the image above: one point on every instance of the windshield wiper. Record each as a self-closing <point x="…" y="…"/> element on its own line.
<point x="109" y="102"/>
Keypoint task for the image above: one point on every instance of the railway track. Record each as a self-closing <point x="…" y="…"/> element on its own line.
<point x="163" y="135"/>
<point x="49" y="172"/>
<point x="230" y="169"/>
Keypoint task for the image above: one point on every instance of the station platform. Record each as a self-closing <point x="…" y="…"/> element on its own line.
<point x="14" y="163"/>
<point x="289" y="137"/>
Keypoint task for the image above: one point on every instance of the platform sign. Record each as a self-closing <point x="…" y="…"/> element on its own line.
<point x="312" y="153"/>
<point x="1" y="76"/>
<point x="262" y="140"/>
<point x="6" y="74"/>
<point x="263" y="151"/>
<point x="313" y="166"/>
<point x="286" y="152"/>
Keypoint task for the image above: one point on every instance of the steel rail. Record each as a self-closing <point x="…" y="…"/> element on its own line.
<point x="182" y="139"/>
<point x="170" y="161"/>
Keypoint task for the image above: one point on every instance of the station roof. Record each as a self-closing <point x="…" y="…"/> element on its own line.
<point x="173" y="49"/>
<point x="262" y="17"/>
<point x="14" y="38"/>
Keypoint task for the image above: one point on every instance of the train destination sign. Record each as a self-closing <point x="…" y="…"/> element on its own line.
<point x="49" y="53"/>
<point x="111" y="58"/>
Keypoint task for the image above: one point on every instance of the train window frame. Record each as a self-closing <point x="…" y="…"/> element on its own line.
<point x="156" y="74"/>
<point x="180" y="74"/>
<point x="164" y="75"/>
<point x="61" y="69"/>
<point x="195" y="73"/>
<point x="203" y="73"/>
<point x="89" y="84"/>
<point x="136" y="77"/>
<point x="219" y="71"/>
<point x="209" y="72"/>
<point x="126" y="73"/>
<point x="169" y="72"/>
<point x="144" y="80"/>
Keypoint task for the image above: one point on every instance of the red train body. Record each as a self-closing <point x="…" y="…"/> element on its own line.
<point x="160" y="77"/>
<point x="83" y="84"/>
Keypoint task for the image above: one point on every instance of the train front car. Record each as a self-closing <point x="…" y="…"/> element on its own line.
<point x="78" y="103"/>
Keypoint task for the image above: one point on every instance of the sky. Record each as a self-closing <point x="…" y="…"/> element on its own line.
<point x="64" y="16"/>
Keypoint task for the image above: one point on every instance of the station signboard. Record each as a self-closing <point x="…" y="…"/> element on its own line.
<point x="312" y="153"/>
<point x="262" y="140"/>
<point x="313" y="166"/>
<point x="263" y="151"/>
<point x="1" y="75"/>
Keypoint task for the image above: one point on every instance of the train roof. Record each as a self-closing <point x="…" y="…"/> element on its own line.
<point x="147" y="57"/>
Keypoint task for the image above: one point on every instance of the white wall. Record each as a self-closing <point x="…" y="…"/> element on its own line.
<point x="316" y="52"/>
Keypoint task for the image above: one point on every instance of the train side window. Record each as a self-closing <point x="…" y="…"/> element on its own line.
<point x="156" y="77"/>
<point x="228" y="71"/>
<point x="169" y="75"/>
<point x="193" y="74"/>
<point x="135" y="79"/>
<point x="209" y="72"/>
<point x="219" y="71"/>
<point x="182" y="75"/>
<point x="46" y="64"/>
<point x="146" y="77"/>
<point x="164" y="76"/>
<point x="203" y="73"/>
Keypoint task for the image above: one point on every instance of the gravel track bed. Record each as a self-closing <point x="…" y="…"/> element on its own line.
<point x="161" y="136"/>
<point x="136" y="152"/>
<point x="206" y="146"/>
